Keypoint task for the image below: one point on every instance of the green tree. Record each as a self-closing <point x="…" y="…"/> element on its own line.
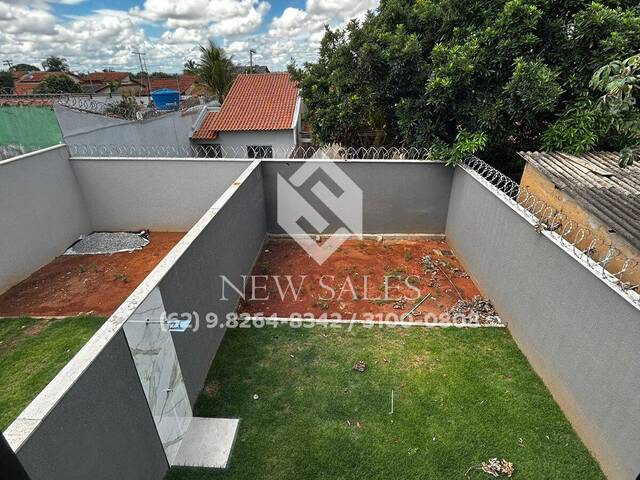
<point x="57" y="84"/>
<point x="215" y="70"/>
<point x="462" y="77"/>
<point x="25" y="67"/>
<point x="190" y="67"/>
<point x="6" y="82"/>
<point x="55" y="64"/>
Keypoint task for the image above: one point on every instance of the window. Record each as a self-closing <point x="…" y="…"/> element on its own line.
<point x="259" y="151"/>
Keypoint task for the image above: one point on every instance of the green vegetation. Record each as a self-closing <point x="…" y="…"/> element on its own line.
<point x="32" y="352"/>
<point x="461" y="397"/>
<point x="55" y="64"/>
<point x="57" y="84"/>
<point x="6" y="81"/>
<point x="216" y="70"/>
<point x="459" y="77"/>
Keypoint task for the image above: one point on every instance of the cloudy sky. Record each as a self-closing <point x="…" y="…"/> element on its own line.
<point x="96" y="34"/>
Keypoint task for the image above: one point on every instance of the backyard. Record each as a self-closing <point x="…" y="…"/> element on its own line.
<point x="461" y="397"/>
<point x="32" y="352"/>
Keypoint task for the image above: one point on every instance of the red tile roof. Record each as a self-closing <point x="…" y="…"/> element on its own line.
<point x="104" y="77"/>
<point x="255" y="102"/>
<point x="185" y="82"/>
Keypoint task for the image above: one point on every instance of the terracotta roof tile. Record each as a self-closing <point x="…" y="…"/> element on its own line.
<point x="255" y="102"/>
<point x="104" y="77"/>
<point x="185" y="82"/>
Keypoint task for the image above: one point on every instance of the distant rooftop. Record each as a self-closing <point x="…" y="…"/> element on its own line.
<point x="598" y="184"/>
<point x="255" y="102"/>
<point x="104" y="77"/>
<point x="183" y="82"/>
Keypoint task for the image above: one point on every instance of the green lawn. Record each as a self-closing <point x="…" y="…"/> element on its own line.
<point x="32" y="352"/>
<point x="461" y="397"/>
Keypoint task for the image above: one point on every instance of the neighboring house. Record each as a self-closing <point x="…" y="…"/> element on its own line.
<point x="593" y="191"/>
<point x="247" y="69"/>
<point x="183" y="83"/>
<point x="105" y="83"/>
<point x="260" y="118"/>
<point x="29" y="81"/>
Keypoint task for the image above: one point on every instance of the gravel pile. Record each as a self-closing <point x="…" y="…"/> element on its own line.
<point x="478" y="308"/>
<point x="108" y="242"/>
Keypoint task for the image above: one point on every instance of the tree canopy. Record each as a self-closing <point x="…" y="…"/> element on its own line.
<point x="55" y="64"/>
<point x="6" y="81"/>
<point x="25" y="67"/>
<point x="465" y="76"/>
<point x="57" y="84"/>
<point x="216" y="70"/>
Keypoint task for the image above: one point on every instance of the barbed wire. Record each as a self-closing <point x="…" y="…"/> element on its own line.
<point x="238" y="151"/>
<point x="120" y="107"/>
<point x="615" y="266"/>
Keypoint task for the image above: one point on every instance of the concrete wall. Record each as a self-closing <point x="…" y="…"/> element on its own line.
<point x="42" y="212"/>
<point x="580" y="334"/>
<point x="228" y="245"/>
<point x="93" y="420"/>
<point x="101" y="428"/>
<point x="398" y="196"/>
<point x="235" y="143"/>
<point x="159" y="194"/>
<point x="90" y="129"/>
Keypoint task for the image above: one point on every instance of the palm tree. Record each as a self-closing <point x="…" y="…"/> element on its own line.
<point x="216" y="70"/>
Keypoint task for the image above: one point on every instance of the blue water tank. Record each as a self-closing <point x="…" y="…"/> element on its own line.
<point x="166" y="99"/>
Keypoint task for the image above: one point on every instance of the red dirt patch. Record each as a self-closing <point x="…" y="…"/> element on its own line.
<point x="85" y="284"/>
<point x="356" y="273"/>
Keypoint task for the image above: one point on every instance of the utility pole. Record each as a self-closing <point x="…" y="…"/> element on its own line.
<point x="143" y="67"/>
<point x="251" y="52"/>
<point x="8" y="63"/>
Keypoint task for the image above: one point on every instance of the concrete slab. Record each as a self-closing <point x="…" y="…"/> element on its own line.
<point x="207" y="443"/>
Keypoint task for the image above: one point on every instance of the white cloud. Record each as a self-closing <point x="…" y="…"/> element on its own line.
<point x="222" y="17"/>
<point x="29" y="31"/>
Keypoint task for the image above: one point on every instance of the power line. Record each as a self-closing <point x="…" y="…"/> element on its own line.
<point x="8" y="63"/>
<point x="143" y="68"/>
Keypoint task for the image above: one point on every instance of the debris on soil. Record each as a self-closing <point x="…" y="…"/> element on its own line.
<point x="478" y="309"/>
<point x="108" y="242"/>
<point x="427" y="263"/>
<point x="400" y="303"/>
<point x="360" y="366"/>
<point x="495" y="467"/>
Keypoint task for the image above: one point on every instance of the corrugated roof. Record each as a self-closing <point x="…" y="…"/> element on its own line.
<point x="595" y="180"/>
<point x="255" y="102"/>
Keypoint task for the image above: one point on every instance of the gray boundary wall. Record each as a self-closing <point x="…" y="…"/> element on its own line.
<point x="229" y="245"/>
<point x="92" y="129"/>
<point x="162" y="194"/>
<point x="399" y="196"/>
<point x="92" y="421"/>
<point x="580" y="334"/>
<point x="42" y="212"/>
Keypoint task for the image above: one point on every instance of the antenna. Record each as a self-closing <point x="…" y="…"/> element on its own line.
<point x="251" y="52"/>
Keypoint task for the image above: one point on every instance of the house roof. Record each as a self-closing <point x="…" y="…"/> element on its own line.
<point x="255" y="102"/>
<point x="184" y="81"/>
<point x="37" y="77"/>
<point x="93" y="87"/>
<point x="598" y="184"/>
<point x="104" y="77"/>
